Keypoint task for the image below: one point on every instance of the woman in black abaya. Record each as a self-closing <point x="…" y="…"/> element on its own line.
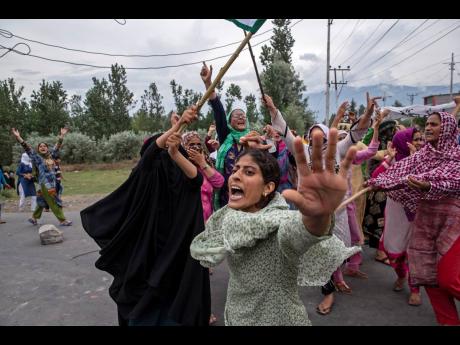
<point x="145" y="229"/>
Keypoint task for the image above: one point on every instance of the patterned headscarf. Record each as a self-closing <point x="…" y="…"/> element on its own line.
<point x="400" y="140"/>
<point x="440" y="166"/>
<point x="187" y="136"/>
<point x="25" y="159"/>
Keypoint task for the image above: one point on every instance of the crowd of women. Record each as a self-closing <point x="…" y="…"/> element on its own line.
<point x="268" y="204"/>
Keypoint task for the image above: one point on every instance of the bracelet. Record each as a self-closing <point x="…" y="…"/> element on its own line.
<point x="205" y="167"/>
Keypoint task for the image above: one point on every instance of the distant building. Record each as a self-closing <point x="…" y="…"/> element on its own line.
<point x="439" y="99"/>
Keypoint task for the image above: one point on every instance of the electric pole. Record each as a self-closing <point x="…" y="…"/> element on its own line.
<point x="384" y="98"/>
<point x="340" y="69"/>
<point x="329" y="23"/>
<point x="411" y="97"/>
<point x="452" y="68"/>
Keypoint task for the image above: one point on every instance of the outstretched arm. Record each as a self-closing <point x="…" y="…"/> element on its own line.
<point x="319" y="191"/>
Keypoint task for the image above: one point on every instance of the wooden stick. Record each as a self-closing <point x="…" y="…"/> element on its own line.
<point x="353" y="197"/>
<point x="219" y="76"/>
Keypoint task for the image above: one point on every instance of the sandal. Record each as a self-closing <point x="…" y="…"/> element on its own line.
<point x="343" y="287"/>
<point x="355" y="273"/>
<point x="415" y="299"/>
<point x="385" y="260"/>
<point x="324" y="311"/>
<point x="66" y="223"/>
<point x="32" y="221"/>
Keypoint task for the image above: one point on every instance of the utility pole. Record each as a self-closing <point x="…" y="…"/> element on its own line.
<point x="452" y="68"/>
<point x="338" y="82"/>
<point x="329" y="23"/>
<point x="384" y="98"/>
<point x="411" y="97"/>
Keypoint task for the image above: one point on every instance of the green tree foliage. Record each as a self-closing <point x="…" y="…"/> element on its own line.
<point x="184" y="98"/>
<point x="286" y="88"/>
<point x="353" y="106"/>
<point x="397" y="104"/>
<point x="121" y="99"/>
<point x="107" y="105"/>
<point x="48" y="108"/>
<point x="281" y="43"/>
<point x="14" y="112"/>
<point x="362" y="109"/>
<point x="252" y="113"/>
<point x="233" y="93"/>
<point x="151" y="115"/>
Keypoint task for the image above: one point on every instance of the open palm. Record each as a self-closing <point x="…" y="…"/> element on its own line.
<point x="319" y="190"/>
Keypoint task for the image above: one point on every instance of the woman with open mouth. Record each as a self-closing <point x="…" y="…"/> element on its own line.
<point x="269" y="248"/>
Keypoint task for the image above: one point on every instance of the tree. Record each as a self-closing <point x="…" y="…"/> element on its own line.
<point x="353" y="105"/>
<point x="150" y="116"/>
<point x="280" y="81"/>
<point x="233" y="93"/>
<point x="108" y="104"/>
<point x="98" y="118"/>
<point x="77" y="113"/>
<point x="121" y="99"/>
<point x="14" y="112"/>
<point x="49" y="108"/>
<point x="252" y="113"/>
<point x="362" y="109"/>
<point x="184" y="98"/>
<point x="397" y="104"/>
<point x="281" y="43"/>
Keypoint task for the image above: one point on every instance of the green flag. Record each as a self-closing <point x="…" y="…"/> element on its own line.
<point x="251" y="25"/>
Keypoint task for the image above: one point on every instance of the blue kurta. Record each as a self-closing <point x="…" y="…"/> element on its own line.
<point x="28" y="186"/>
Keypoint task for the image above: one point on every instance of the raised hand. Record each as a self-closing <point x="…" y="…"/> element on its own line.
<point x="15" y="133"/>
<point x="255" y="141"/>
<point x="64" y="131"/>
<point x="371" y="103"/>
<point x="268" y="102"/>
<point x="319" y="191"/>
<point x="172" y="143"/>
<point x="206" y="74"/>
<point x="391" y="150"/>
<point x="212" y="129"/>
<point x="189" y="115"/>
<point x="340" y="113"/>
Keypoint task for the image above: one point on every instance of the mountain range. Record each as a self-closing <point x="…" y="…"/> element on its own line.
<point x="317" y="100"/>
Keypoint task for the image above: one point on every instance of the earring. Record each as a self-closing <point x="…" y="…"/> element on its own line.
<point x="265" y="195"/>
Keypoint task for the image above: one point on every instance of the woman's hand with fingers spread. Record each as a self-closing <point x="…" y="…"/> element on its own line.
<point x="319" y="191"/>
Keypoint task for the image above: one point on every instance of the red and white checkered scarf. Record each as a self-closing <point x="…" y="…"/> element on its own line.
<point x="440" y="166"/>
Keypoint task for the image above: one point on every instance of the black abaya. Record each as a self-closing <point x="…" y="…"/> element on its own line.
<point x="145" y="229"/>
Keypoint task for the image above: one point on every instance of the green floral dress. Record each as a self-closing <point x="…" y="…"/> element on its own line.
<point x="269" y="253"/>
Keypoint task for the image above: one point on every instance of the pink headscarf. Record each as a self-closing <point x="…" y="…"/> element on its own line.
<point x="440" y="166"/>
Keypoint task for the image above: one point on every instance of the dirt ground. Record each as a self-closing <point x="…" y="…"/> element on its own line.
<point x="70" y="203"/>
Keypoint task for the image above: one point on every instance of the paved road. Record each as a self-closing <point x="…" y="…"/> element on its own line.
<point x="53" y="285"/>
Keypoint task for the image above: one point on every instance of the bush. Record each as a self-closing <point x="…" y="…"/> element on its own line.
<point x="79" y="148"/>
<point x="122" y="146"/>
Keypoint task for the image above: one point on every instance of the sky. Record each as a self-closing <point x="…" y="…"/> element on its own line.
<point x="377" y="51"/>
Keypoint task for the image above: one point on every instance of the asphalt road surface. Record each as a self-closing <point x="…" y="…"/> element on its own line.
<point x="59" y="285"/>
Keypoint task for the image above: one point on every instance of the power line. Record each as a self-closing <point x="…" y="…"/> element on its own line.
<point x="151" y="68"/>
<point x="8" y="34"/>
<point x="367" y="39"/>
<point x="418" y="44"/>
<point x="395" y="46"/>
<point x="340" y="31"/>
<point x="345" y="41"/>
<point x="408" y="57"/>
<point x="377" y="42"/>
